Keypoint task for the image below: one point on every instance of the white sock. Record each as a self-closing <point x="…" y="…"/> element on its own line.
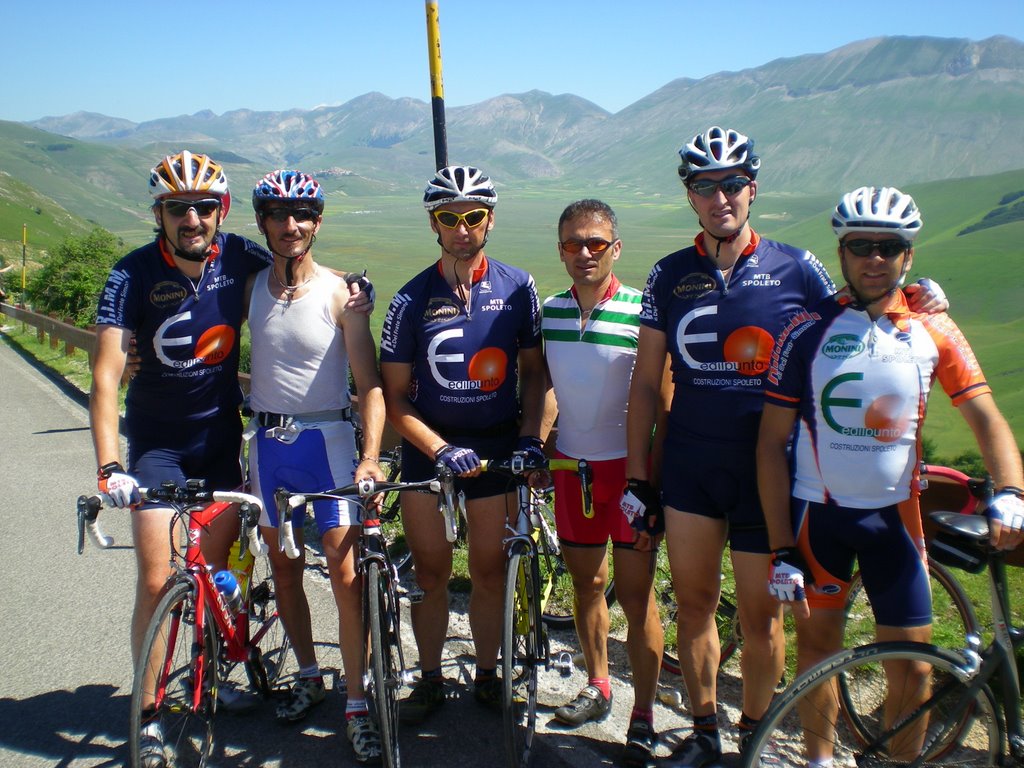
<point x="311" y="671"/>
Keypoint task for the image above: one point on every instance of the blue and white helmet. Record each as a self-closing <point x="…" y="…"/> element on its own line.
<point x="877" y="210"/>
<point x="290" y="186"/>
<point x="718" y="149"/>
<point x="457" y="184"/>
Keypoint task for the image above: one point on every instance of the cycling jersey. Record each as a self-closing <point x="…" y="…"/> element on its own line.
<point x="591" y="370"/>
<point x="861" y="387"/>
<point x="719" y="333"/>
<point x="186" y="331"/>
<point x="464" y="358"/>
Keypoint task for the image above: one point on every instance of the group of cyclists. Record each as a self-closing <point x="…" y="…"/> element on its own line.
<point x="661" y="391"/>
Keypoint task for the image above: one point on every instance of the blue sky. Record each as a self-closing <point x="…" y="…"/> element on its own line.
<point x="142" y="59"/>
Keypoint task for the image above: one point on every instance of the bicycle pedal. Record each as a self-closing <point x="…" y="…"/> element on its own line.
<point x="563" y="664"/>
<point x="413" y="594"/>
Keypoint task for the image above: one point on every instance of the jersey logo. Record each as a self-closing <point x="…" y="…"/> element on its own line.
<point x="746" y="350"/>
<point x="886" y="418"/>
<point x="167" y="293"/>
<point x="487" y="368"/>
<point x="693" y="286"/>
<point x="842" y="346"/>
<point x="212" y="347"/>
<point x="440" y="311"/>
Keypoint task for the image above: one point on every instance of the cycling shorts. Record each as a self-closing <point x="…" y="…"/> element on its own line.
<point x="607" y="522"/>
<point x="321" y="457"/>
<point x="886" y="544"/>
<point x="716" y="481"/>
<point x="204" y="449"/>
<point x="417" y="466"/>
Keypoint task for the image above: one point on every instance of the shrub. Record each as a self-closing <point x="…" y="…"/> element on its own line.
<point x="72" y="277"/>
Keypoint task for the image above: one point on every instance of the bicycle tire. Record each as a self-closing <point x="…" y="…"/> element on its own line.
<point x="953" y="614"/>
<point x="391" y="513"/>
<point x="165" y="674"/>
<point x="271" y="660"/>
<point x="520" y="656"/>
<point x="853" y="681"/>
<point x="385" y="674"/>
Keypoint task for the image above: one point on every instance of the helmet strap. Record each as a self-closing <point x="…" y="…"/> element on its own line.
<point x="193" y="257"/>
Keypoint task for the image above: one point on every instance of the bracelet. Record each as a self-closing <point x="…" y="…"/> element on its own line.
<point x="443" y="449"/>
<point x="374" y="459"/>
<point x="108" y="469"/>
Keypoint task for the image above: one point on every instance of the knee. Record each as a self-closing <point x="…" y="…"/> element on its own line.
<point x="695" y="606"/>
<point x="432" y="580"/>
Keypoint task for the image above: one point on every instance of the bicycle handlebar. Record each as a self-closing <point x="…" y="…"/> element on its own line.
<point x="250" y="508"/>
<point x="520" y="464"/>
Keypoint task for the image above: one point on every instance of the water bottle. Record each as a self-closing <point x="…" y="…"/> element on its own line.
<point x="227" y="584"/>
<point x="240" y="563"/>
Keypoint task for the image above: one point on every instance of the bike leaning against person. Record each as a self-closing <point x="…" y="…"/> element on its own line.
<point x="464" y="379"/>
<point x="179" y="301"/>
<point x="853" y="374"/>
<point x="590" y="335"/>
<point x="715" y="309"/>
<point x="305" y="340"/>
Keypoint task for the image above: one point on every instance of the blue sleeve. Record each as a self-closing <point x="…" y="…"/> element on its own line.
<point x="819" y="284"/>
<point x="529" y="332"/>
<point x="652" y="313"/>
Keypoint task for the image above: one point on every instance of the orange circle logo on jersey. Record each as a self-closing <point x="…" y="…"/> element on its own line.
<point x="489" y="366"/>
<point x="886" y="419"/>
<point x="215" y="344"/>
<point x="749" y="348"/>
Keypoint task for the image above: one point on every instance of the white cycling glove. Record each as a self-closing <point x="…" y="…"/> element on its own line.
<point x="122" y="488"/>
<point x="1008" y="508"/>
<point x="787" y="575"/>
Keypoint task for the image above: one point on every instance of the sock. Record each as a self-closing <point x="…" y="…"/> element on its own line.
<point x="355" y="707"/>
<point x="484" y="674"/>
<point x="640" y="713"/>
<point x="827" y="763"/>
<point x="706" y="724"/>
<point x="747" y="724"/>
<point x="313" y="670"/>
<point x="603" y="684"/>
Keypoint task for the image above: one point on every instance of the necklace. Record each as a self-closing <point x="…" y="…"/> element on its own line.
<point x="289" y="290"/>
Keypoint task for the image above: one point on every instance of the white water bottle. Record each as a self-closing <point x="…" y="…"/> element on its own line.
<point x="227" y="584"/>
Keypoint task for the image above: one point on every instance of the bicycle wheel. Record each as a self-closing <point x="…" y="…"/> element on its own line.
<point x="943" y="720"/>
<point x="177" y="674"/>
<point x="559" y="604"/>
<point x="520" y="656"/>
<point x="270" y="657"/>
<point x="391" y="512"/>
<point x="385" y="672"/>
<point x="953" y="614"/>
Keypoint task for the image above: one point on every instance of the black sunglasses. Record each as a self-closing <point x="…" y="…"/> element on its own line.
<point x="203" y="208"/>
<point x="887" y="249"/>
<point x="595" y="245"/>
<point x="283" y="214"/>
<point x="731" y="186"/>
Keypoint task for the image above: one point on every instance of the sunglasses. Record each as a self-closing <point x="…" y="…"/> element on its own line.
<point x="595" y="245"/>
<point x="731" y="186"/>
<point x="887" y="249"/>
<point x="472" y="219"/>
<point x="283" y="214"/>
<point x="203" y="208"/>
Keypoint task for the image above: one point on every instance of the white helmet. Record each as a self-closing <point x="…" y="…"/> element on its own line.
<point x="718" y="149"/>
<point x="877" y="210"/>
<point x="457" y="184"/>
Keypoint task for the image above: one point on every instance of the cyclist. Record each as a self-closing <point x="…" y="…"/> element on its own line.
<point x="304" y="341"/>
<point x="715" y="309"/>
<point x="854" y="373"/>
<point x="590" y="334"/>
<point x="181" y="296"/>
<point x="463" y="379"/>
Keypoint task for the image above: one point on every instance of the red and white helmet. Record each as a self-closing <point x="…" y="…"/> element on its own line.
<point x="877" y="210"/>
<point x="718" y="149"/>
<point x="189" y="172"/>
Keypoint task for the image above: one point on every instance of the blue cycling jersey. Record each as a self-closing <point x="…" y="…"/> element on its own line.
<point x="186" y="331"/>
<point x="464" y="358"/>
<point x="720" y="333"/>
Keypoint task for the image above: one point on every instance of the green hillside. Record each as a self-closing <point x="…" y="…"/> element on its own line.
<point x="46" y="223"/>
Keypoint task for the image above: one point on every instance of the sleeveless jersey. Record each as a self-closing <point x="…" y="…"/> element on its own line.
<point x="299" y="360"/>
<point x="186" y="333"/>
<point x="862" y="388"/>
<point x="720" y="334"/>
<point x="464" y="359"/>
<point x="591" y="370"/>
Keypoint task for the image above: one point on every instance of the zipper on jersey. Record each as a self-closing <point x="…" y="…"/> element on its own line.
<point x="196" y="284"/>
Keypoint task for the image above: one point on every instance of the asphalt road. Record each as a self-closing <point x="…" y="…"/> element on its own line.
<point x="65" y="670"/>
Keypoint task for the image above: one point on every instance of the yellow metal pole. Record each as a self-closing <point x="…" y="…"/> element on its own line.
<point x="436" y="85"/>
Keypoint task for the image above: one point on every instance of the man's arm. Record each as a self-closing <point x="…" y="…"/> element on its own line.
<point x="645" y="395"/>
<point x="550" y="408"/>
<point x="104" y="413"/>
<point x="1002" y="457"/>
<point x="402" y="414"/>
<point x="532" y="389"/>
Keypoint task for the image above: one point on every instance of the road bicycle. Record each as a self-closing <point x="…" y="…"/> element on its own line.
<point x="531" y="572"/>
<point x="194" y="640"/>
<point x="964" y="711"/>
<point x="385" y="673"/>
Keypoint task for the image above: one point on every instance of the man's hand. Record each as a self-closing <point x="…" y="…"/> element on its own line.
<point x="122" y="488"/>
<point x="926" y="296"/>
<point x="462" y="461"/>
<point x="361" y="293"/>
<point x="642" y="508"/>
<point x="787" y="577"/>
<point x="1006" y="517"/>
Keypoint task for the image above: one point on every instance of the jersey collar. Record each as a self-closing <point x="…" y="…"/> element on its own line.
<point x="613" y="286"/>
<point x="478" y="273"/>
<point x="168" y="257"/>
<point x="898" y="310"/>
<point x="703" y="251"/>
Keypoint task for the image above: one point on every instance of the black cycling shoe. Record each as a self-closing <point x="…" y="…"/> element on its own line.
<point x="589" y="704"/>
<point x="696" y="751"/>
<point x="641" y="739"/>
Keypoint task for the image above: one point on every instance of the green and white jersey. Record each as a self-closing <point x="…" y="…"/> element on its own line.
<point x="591" y="370"/>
